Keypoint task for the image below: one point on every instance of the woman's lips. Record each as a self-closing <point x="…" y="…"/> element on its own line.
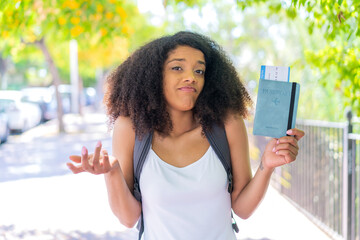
<point x="187" y="89"/>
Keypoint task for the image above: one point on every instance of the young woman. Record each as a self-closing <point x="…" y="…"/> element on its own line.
<point x="177" y="87"/>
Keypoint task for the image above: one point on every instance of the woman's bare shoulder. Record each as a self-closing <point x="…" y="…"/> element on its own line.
<point x="123" y="141"/>
<point x="123" y="138"/>
<point x="124" y="124"/>
<point x="233" y="120"/>
<point x="236" y="130"/>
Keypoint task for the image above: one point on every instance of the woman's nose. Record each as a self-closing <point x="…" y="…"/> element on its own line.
<point x="190" y="77"/>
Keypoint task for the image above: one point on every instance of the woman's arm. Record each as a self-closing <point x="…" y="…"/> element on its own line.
<point x="117" y="169"/>
<point x="249" y="191"/>
<point x="119" y="181"/>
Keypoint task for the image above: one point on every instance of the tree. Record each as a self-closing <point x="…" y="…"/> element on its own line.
<point x="339" y="23"/>
<point x="49" y="25"/>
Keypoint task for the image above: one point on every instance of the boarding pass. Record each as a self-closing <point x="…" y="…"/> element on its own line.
<point x="275" y="73"/>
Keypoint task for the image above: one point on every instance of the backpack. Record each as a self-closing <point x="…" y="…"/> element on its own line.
<point x="218" y="141"/>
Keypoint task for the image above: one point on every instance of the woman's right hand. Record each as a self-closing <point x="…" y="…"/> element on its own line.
<point x="96" y="163"/>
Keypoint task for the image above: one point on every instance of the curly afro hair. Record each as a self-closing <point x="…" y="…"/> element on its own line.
<point x="134" y="89"/>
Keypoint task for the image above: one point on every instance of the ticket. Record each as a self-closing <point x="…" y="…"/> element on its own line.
<point x="275" y="73"/>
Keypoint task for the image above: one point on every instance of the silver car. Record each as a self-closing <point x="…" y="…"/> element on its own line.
<point x="4" y="125"/>
<point x="43" y="97"/>
<point x="22" y="115"/>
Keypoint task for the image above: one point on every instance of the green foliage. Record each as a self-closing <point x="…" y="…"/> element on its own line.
<point x="336" y="63"/>
<point x="339" y="22"/>
<point x="104" y="30"/>
<point x="68" y="19"/>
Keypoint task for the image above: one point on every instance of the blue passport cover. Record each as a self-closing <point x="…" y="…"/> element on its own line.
<point x="276" y="108"/>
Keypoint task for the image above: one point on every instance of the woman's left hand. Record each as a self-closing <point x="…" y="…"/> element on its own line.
<point x="283" y="150"/>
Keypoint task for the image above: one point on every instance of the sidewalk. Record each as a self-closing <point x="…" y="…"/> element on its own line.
<point x="277" y="219"/>
<point x="76" y="207"/>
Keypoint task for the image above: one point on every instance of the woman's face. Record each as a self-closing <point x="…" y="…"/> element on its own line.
<point x="183" y="77"/>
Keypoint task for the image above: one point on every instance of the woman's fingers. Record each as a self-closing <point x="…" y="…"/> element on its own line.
<point x="106" y="162"/>
<point x="288" y="139"/>
<point x="75" y="169"/>
<point x="85" y="161"/>
<point x="278" y="158"/>
<point x="95" y="163"/>
<point x="75" y="158"/>
<point x="297" y="133"/>
<point x="286" y="156"/>
<point x="96" y="156"/>
<point x="286" y="143"/>
<point x="287" y="148"/>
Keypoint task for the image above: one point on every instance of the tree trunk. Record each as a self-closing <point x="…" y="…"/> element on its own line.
<point x="56" y="81"/>
<point x="3" y="82"/>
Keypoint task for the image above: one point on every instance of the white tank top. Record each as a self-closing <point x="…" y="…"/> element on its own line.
<point x="186" y="203"/>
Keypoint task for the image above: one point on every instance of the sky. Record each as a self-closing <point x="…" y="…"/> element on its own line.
<point x="157" y="10"/>
<point x="153" y="7"/>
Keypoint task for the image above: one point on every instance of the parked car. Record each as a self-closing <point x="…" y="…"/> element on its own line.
<point x="65" y="92"/>
<point x="89" y="95"/>
<point x="22" y="115"/>
<point x="4" y="125"/>
<point x="43" y="97"/>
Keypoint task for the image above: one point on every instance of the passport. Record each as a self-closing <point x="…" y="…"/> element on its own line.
<point x="276" y="107"/>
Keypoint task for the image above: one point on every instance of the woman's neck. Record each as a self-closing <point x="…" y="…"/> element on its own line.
<point x="182" y="122"/>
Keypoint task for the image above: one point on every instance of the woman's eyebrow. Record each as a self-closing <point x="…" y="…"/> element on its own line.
<point x="202" y="62"/>
<point x="183" y="59"/>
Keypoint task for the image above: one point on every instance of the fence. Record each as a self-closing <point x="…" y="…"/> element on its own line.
<point x="324" y="181"/>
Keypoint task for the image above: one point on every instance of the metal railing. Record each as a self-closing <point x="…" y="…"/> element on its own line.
<point x="354" y="185"/>
<point x="324" y="180"/>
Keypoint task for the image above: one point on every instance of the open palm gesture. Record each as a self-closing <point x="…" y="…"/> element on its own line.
<point x="96" y="163"/>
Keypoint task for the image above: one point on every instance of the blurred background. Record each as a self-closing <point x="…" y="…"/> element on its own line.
<point x="54" y="59"/>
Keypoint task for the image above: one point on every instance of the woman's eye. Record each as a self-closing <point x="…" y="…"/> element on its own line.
<point x="176" y="68"/>
<point x="201" y="72"/>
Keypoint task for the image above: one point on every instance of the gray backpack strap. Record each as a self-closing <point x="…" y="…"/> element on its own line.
<point x="141" y="150"/>
<point x="218" y="141"/>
